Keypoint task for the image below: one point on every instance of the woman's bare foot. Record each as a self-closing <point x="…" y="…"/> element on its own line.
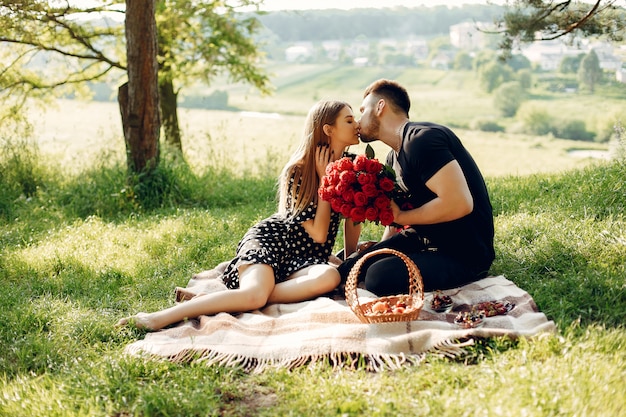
<point x="142" y="321"/>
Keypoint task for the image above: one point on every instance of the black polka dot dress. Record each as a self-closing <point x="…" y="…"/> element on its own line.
<point x="282" y="244"/>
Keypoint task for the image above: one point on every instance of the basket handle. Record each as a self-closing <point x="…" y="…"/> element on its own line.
<point x="415" y="278"/>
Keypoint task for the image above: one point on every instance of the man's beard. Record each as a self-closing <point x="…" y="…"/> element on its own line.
<point x="374" y="128"/>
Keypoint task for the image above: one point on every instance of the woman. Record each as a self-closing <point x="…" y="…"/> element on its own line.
<point x="284" y="258"/>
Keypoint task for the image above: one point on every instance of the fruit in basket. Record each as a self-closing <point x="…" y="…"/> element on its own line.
<point x="398" y="309"/>
<point x="391" y="306"/>
<point x="381" y="307"/>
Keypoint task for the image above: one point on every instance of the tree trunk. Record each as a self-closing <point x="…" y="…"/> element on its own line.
<point x="169" y="112"/>
<point x="139" y="97"/>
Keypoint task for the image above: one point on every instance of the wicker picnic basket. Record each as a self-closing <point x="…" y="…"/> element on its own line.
<point x="412" y="302"/>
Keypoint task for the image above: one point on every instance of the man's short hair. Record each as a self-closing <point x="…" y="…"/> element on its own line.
<point x="392" y="92"/>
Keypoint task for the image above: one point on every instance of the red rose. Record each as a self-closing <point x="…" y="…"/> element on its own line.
<point x="371" y="214"/>
<point x="365" y="178"/>
<point x="326" y="193"/>
<point x="357" y="214"/>
<point x="359" y="189"/>
<point x="370" y="190"/>
<point x="373" y="166"/>
<point x="360" y="163"/>
<point x="382" y="201"/>
<point x="348" y="177"/>
<point x="386" y="217"/>
<point x="341" y="188"/>
<point x="360" y="198"/>
<point x="386" y="184"/>
<point x="348" y="195"/>
<point x="344" y="164"/>
<point x="346" y="208"/>
<point x="336" y="204"/>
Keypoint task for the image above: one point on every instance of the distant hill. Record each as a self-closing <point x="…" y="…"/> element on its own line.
<point x="398" y="22"/>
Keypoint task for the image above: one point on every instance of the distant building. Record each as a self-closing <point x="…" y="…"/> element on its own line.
<point x="605" y="51"/>
<point x="549" y="54"/>
<point x="299" y="52"/>
<point x="470" y="36"/>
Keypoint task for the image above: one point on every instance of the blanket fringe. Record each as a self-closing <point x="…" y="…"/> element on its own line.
<point x="337" y="360"/>
<point x="452" y="348"/>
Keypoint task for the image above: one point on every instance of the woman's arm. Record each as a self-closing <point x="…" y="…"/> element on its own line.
<point x="317" y="227"/>
<point x="351" y="235"/>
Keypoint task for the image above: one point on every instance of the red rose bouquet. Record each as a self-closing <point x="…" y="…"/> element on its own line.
<point x="360" y="189"/>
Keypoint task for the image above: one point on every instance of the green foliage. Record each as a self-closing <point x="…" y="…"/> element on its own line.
<point x="508" y="98"/>
<point x="539" y="121"/>
<point x="494" y="74"/>
<point x="518" y="62"/>
<point x="487" y="125"/>
<point x="216" y="40"/>
<point x="572" y="129"/>
<point x="217" y="100"/>
<point x="524" y="20"/>
<point x="570" y="64"/>
<point x="565" y="225"/>
<point x="463" y="61"/>
<point x="536" y="121"/>
<point x="49" y="49"/>
<point x="590" y="73"/>
<point x="525" y="78"/>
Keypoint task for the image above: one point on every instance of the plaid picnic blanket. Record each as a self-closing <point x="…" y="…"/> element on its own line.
<point x="326" y="329"/>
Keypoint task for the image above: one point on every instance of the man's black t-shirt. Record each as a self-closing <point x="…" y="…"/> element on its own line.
<point x="426" y="148"/>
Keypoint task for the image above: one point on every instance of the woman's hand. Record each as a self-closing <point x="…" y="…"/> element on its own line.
<point x="322" y="159"/>
<point x="334" y="261"/>
<point x="365" y="245"/>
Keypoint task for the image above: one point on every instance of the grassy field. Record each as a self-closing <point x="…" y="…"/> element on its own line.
<point x="255" y="141"/>
<point x="79" y="250"/>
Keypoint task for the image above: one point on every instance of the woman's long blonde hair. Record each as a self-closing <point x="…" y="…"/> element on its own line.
<point x="294" y="199"/>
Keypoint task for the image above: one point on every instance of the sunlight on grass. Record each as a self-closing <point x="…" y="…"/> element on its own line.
<point x="261" y="144"/>
<point x="78" y="251"/>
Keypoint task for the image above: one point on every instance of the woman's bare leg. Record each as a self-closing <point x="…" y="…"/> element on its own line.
<point x="306" y="284"/>
<point x="256" y="283"/>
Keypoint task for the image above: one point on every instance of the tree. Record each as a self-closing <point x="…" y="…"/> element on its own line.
<point x="139" y="97"/>
<point x="493" y="74"/>
<point x="570" y="64"/>
<point x="197" y="40"/>
<point x="525" y="78"/>
<point x="590" y="73"/>
<point x="50" y="49"/>
<point x="463" y="61"/>
<point x="526" y="21"/>
<point x="508" y="98"/>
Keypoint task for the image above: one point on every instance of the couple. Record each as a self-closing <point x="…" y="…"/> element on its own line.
<point x="285" y="258"/>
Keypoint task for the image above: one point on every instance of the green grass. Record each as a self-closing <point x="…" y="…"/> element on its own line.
<point x="83" y="249"/>
<point x="80" y="247"/>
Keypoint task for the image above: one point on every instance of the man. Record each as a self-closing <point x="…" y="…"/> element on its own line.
<point x="447" y="215"/>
